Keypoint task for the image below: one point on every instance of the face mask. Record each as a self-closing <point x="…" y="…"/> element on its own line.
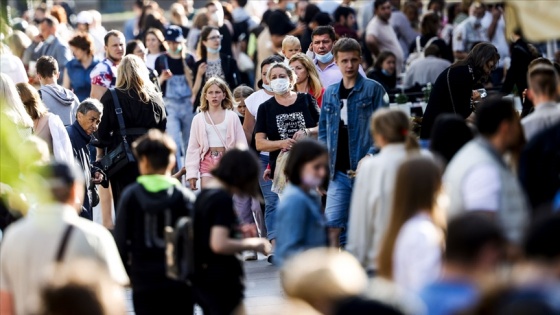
<point x="215" y="17"/>
<point x="280" y="86"/>
<point x="311" y="181"/>
<point x="385" y="72"/>
<point x="178" y="50"/>
<point x="50" y="39"/>
<point x="325" y="58"/>
<point x="267" y="87"/>
<point x="214" y="51"/>
<point x="290" y="6"/>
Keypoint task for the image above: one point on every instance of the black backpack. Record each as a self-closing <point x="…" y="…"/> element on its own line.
<point x="179" y="250"/>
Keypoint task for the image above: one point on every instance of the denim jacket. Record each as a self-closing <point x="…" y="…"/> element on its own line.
<point x="366" y="97"/>
<point x="300" y="224"/>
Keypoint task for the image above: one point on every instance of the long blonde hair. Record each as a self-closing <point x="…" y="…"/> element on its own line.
<point x="11" y="104"/>
<point x="394" y="127"/>
<point x="133" y="75"/>
<point x="227" y="103"/>
<point x="313" y="76"/>
<point x="417" y="188"/>
<point x="31" y="100"/>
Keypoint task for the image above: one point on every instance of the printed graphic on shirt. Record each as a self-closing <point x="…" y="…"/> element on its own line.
<point x="289" y="124"/>
<point x="100" y="75"/>
<point x="344" y="112"/>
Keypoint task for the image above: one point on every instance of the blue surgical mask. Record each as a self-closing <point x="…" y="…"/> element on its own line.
<point x="214" y="51"/>
<point x="178" y="50"/>
<point x="290" y="6"/>
<point x="267" y="87"/>
<point x="326" y="58"/>
<point x="385" y="72"/>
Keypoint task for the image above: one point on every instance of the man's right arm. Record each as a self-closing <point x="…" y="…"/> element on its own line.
<point x="372" y="44"/>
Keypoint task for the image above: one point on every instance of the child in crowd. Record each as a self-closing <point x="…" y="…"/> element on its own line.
<point x="290" y="47"/>
<point x="239" y="95"/>
<point x="156" y="200"/>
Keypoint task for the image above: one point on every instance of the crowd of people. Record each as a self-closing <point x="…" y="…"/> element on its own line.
<point x="247" y="129"/>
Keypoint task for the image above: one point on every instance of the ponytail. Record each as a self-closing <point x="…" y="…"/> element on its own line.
<point x="394" y="126"/>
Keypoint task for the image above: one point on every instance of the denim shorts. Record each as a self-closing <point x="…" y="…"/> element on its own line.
<point x="210" y="161"/>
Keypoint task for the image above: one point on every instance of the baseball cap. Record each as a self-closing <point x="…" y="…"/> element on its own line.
<point x="84" y="17"/>
<point x="174" y="33"/>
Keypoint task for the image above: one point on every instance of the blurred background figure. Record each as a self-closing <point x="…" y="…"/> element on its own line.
<point x="331" y="282"/>
<point x="12" y="66"/>
<point x="78" y="70"/>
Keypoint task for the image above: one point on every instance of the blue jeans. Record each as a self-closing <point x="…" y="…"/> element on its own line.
<point x="270" y="201"/>
<point x="179" y="118"/>
<point x="338" y="203"/>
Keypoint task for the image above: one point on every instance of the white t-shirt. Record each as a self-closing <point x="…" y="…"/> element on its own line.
<point x="254" y="101"/>
<point x="417" y="253"/>
<point x="30" y="245"/>
<point x="386" y="39"/>
<point x="499" y="40"/>
<point x="151" y="60"/>
<point x="481" y="188"/>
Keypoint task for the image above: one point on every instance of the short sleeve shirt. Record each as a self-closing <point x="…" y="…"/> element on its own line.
<point x="104" y="74"/>
<point x="280" y="122"/>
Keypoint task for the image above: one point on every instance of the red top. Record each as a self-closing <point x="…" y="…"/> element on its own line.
<point x="320" y="99"/>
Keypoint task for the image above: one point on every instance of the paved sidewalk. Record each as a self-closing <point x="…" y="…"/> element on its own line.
<point x="263" y="293"/>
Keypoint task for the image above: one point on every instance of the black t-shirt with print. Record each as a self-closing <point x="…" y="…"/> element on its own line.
<point x="343" y="149"/>
<point x="280" y="122"/>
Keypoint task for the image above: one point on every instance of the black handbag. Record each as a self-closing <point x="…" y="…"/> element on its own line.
<point x="122" y="155"/>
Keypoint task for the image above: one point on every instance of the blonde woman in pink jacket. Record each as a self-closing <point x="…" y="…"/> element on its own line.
<point x="213" y="131"/>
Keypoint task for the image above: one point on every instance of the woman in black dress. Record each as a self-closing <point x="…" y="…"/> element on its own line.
<point x="454" y="90"/>
<point x="142" y="110"/>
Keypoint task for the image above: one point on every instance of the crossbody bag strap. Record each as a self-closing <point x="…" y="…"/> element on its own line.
<point x="418" y="46"/>
<point x="64" y="243"/>
<point x="122" y="126"/>
<point x="450" y="94"/>
<point x="431" y="41"/>
<point x="216" y="129"/>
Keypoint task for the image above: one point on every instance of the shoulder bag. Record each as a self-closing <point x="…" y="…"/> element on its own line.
<point x="122" y="155"/>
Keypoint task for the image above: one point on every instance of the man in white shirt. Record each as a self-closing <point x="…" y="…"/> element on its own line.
<point x="32" y="245"/>
<point x="381" y="36"/>
<point x="543" y="92"/>
<point x="477" y="178"/>
<point x="426" y="70"/>
<point x="470" y="32"/>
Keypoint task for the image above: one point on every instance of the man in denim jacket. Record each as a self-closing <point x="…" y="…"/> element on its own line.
<point x="344" y="127"/>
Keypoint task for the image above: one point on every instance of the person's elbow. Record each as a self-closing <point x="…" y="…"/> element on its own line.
<point x="219" y="246"/>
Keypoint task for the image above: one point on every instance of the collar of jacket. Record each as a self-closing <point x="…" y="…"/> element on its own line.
<point x="81" y="131"/>
<point x="357" y="87"/>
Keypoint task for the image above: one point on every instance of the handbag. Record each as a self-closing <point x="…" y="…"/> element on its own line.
<point x="122" y="155"/>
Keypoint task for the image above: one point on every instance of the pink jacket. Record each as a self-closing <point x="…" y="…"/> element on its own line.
<point x="198" y="141"/>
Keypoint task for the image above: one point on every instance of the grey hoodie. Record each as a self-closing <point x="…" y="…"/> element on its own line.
<point x="61" y="102"/>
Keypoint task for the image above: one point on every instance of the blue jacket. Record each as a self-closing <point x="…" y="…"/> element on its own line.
<point x="366" y="97"/>
<point x="300" y="224"/>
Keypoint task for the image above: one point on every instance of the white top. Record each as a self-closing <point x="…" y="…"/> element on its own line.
<point x="424" y="71"/>
<point x="417" y="253"/>
<point x="370" y="208"/>
<point x="151" y="60"/>
<point x="253" y="102"/>
<point x="545" y="116"/>
<point x="499" y="40"/>
<point x="29" y="248"/>
<point x="481" y="188"/>
<point x="216" y="140"/>
<point x="386" y="39"/>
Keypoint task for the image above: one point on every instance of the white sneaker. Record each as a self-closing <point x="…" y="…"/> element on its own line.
<point x="249" y="255"/>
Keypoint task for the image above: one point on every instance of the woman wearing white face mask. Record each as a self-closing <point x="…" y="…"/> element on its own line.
<point x="281" y="121"/>
<point x="212" y="63"/>
<point x="301" y="224"/>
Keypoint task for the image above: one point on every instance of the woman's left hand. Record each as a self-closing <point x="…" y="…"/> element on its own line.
<point x="299" y="135"/>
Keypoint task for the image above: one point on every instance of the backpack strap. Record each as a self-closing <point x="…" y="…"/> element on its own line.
<point x="418" y="46"/>
<point x="64" y="243"/>
<point x="431" y="41"/>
